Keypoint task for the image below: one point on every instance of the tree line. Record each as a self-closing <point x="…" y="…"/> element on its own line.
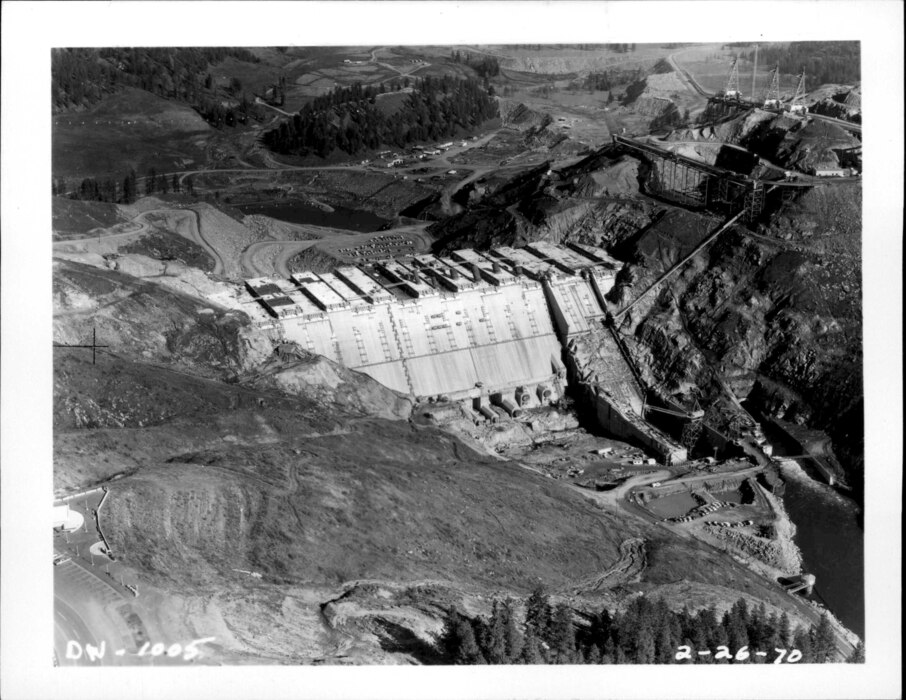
<point x="647" y="632"/>
<point x="124" y="191"/>
<point x="348" y="119"/>
<point x="608" y="79"/>
<point x="823" y="61"/>
<point x="82" y="77"/>
<point x="485" y="66"/>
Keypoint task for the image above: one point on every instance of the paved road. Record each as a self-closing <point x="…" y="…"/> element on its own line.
<point x="686" y="76"/>
<point x="83" y="613"/>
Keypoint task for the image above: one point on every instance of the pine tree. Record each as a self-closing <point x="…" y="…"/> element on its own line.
<point x="562" y="636"/>
<point x="785" y="632"/>
<point x="666" y="644"/>
<point x="538" y="614"/>
<point x="493" y="638"/>
<point x="151" y="182"/>
<point x="646" y="652"/>
<point x="532" y="652"/>
<point x="803" y="642"/>
<point x="512" y="634"/>
<point x="824" y="641"/>
<point x="458" y="640"/>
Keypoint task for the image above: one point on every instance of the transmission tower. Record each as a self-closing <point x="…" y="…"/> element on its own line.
<point x="691" y="433"/>
<point x="796" y="106"/>
<point x="772" y="94"/>
<point x="732" y="90"/>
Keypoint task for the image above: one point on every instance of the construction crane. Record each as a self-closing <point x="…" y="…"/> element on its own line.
<point x="732" y="92"/>
<point x="796" y="106"/>
<point x="772" y="94"/>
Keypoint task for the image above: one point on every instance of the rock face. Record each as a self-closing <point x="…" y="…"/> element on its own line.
<point x="780" y="139"/>
<point x="142" y="319"/>
<point x="589" y="202"/>
<point x="777" y="316"/>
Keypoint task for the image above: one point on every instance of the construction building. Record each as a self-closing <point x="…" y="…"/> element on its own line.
<point x="495" y="329"/>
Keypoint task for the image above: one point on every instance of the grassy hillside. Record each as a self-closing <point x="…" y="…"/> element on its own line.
<point x="132" y="129"/>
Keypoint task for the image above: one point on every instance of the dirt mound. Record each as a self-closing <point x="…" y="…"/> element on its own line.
<point x="812" y="146"/>
<point x="326" y="382"/>
<point x="314" y="511"/>
<point x="314" y="259"/>
<point x="521" y="116"/>
<point x="166" y="247"/>
<point x="588" y="202"/>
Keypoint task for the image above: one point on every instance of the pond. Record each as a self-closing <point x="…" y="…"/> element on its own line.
<point x="674" y="505"/>
<point x="301" y="213"/>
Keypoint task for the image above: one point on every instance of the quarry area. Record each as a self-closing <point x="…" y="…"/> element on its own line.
<point x="306" y="405"/>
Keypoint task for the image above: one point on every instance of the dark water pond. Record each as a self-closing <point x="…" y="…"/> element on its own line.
<point x="299" y="213"/>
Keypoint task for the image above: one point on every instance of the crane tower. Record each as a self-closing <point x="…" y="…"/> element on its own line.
<point x="732" y="91"/>
<point x="772" y="94"/>
<point x="796" y="106"/>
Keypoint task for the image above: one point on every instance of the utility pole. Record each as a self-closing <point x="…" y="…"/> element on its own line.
<point x="754" y="72"/>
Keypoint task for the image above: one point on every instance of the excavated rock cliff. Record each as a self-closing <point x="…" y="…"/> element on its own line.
<point x="777" y="315"/>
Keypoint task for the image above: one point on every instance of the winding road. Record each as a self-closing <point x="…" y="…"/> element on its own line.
<point x="98" y="243"/>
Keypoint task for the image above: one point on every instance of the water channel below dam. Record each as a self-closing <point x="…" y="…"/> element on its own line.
<point x="830" y="536"/>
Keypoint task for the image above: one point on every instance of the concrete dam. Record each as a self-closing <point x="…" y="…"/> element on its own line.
<point x="506" y="328"/>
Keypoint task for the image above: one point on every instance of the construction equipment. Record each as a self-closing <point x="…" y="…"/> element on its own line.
<point x="732" y="91"/>
<point x="796" y="106"/>
<point x="772" y="94"/>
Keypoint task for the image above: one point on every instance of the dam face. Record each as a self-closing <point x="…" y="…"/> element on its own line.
<point x="489" y="328"/>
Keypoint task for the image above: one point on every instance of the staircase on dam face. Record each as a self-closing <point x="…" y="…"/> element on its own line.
<point x="385" y="345"/>
<point x="408" y="348"/>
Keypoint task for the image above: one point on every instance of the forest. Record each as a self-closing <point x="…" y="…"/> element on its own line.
<point x="484" y="66"/>
<point x="823" y="61"/>
<point x="81" y="78"/>
<point x="349" y="120"/>
<point x="607" y="80"/>
<point x="647" y="632"/>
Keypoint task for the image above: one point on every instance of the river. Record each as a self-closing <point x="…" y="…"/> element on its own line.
<point x="300" y="213"/>
<point x="830" y="537"/>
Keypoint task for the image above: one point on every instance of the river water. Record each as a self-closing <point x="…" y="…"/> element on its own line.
<point x="299" y="213"/>
<point x="830" y="537"/>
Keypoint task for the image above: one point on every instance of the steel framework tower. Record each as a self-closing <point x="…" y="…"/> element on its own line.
<point x="796" y="106"/>
<point x="732" y="90"/>
<point x="772" y="94"/>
